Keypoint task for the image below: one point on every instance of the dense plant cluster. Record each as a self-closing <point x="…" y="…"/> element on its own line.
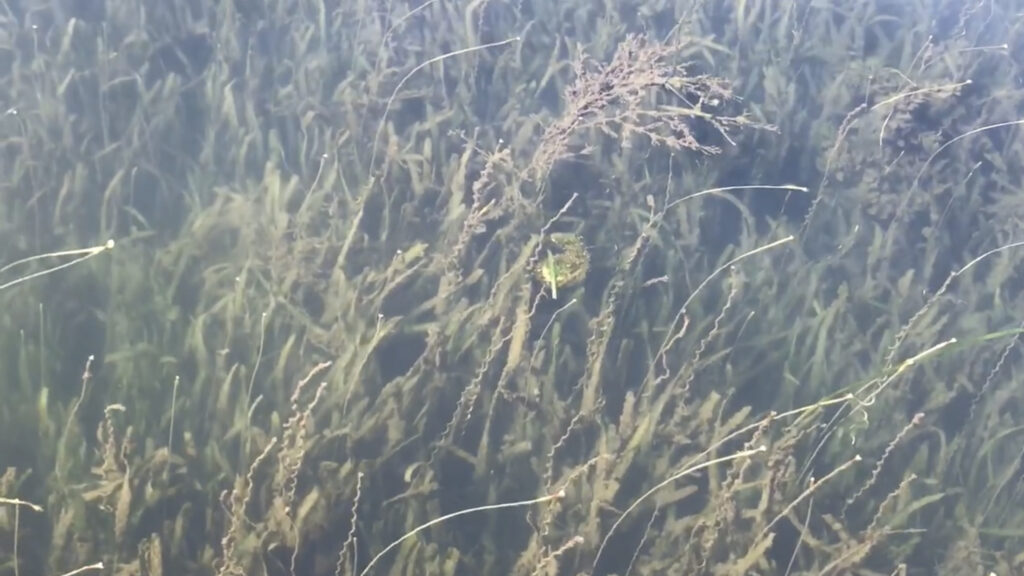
<point x="527" y="288"/>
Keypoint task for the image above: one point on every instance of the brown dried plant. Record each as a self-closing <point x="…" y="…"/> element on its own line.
<point x="616" y="99"/>
<point x="281" y="520"/>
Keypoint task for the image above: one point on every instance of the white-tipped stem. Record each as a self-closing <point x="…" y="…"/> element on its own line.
<point x="418" y="529"/>
<point x="82" y="253"/>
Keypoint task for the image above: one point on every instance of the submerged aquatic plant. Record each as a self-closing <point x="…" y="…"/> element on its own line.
<point x="565" y="264"/>
<point x="321" y="346"/>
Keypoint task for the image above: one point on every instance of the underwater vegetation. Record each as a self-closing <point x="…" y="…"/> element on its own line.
<point x="529" y="288"/>
<point x="565" y="264"/>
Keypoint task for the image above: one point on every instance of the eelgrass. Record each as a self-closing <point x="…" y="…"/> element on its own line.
<point x="262" y="232"/>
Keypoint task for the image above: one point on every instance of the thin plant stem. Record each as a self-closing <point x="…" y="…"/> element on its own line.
<point x="490" y="507"/>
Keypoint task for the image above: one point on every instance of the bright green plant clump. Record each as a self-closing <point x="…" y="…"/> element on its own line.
<point x="565" y="263"/>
